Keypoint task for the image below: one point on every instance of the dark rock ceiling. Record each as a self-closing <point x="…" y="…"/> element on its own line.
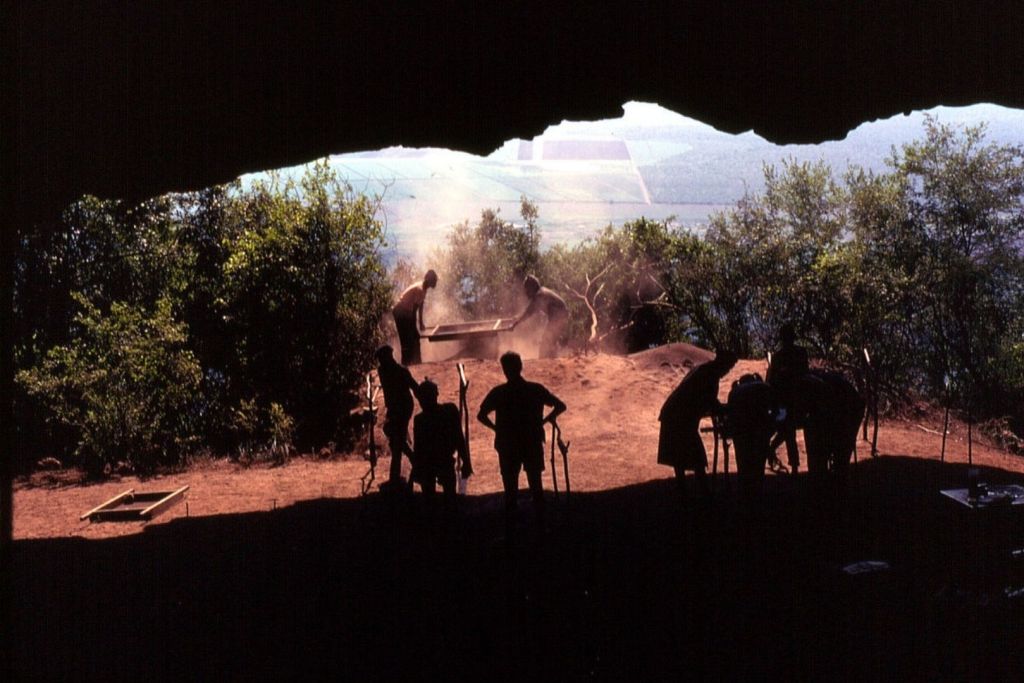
<point x="125" y="99"/>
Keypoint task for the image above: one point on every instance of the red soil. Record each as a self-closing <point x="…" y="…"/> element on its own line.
<point x="611" y="423"/>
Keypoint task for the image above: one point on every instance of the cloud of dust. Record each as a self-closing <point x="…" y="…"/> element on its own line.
<point x="440" y="307"/>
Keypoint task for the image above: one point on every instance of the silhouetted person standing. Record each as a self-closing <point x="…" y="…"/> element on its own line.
<point x="398" y="385"/>
<point x="408" y="313"/>
<point x="679" y="443"/>
<point x="832" y="410"/>
<point x="789" y="365"/>
<point x="437" y="437"/>
<point x="752" y="410"/>
<point x="518" y="425"/>
<point x="556" y="315"/>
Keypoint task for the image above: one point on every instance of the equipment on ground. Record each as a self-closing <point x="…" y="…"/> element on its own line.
<point x="563" y="447"/>
<point x="369" y="415"/>
<point x="720" y="432"/>
<point x="468" y="330"/>
<point x="872" y="411"/>
<point x="479" y="337"/>
<point x="464" y="424"/>
<point x="137" y="506"/>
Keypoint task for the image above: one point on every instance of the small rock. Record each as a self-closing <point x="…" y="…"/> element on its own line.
<point x="49" y="463"/>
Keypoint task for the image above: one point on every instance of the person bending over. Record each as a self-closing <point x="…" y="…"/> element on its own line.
<point x="556" y="315"/>
<point x="679" y="442"/>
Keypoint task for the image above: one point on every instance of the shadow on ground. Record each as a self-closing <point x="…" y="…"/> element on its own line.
<point x="628" y="584"/>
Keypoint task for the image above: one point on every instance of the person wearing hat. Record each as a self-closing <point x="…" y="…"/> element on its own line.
<point x="408" y="313"/>
<point x="398" y="386"/>
<point x="679" y="442"/>
<point x="437" y="437"/>
<point x="556" y="315"/>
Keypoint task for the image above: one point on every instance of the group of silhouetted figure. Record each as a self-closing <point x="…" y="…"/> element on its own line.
<point x="513" y="410"/>
<point x="759" y="415"/>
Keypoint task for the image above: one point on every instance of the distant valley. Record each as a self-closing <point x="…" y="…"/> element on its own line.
<point x="584" y="175"/>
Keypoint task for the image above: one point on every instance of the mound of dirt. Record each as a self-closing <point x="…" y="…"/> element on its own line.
<point x="676" y="355"/>
<point x="612" y="422"/>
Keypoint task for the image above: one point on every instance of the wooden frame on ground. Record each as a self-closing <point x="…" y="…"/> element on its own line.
<point x="135" y="506"/>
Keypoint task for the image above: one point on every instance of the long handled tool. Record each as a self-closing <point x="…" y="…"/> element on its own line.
<point x="464" y="416"/>
<point x="872" y="404"/>
<point x="563" y="447"/>
<point x="714" y="459"/>
<point x="945" y="422"/>
<point x="554" y="474"/>
<point x="370" y="416"/>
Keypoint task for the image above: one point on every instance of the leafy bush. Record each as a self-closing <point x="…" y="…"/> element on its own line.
<point x="262" y="432"/>
<point x="244" y="316"/>
<point x="302" y="292"/>
<point x="922" y="265"/>
<point x="273" y="291"/>
<point x="126" y="383"/>
<point x="615" y="286"/>
<point x="482" y="267"/>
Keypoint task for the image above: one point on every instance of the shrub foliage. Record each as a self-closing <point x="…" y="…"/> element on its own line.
<point x="242" y="317"/>
<point x="143" y="329"/>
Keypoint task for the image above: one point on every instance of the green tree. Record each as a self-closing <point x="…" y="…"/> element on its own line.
<point x="619" y="284"/>
<point x="303" y="291"/>
<point x="126" y="383"/>
<point x="965" y="223"/>
<point x="481" y="269"/>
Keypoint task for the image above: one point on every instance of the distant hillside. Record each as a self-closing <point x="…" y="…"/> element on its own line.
<point x="584" y="175"/>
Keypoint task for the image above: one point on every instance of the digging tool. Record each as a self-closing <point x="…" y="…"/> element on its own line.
<point x="563" y="446"/>
<point x="464" y="417"/>
<point x="370" y="415"/>
<point x="872" y="403"/>
<point x="554" y="474"/>
<point x="945" y="422"/>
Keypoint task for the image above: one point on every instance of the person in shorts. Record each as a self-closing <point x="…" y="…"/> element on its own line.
<point x="399" y="386"/>
<point x="518" y="424"/>
<point x="408" y="314"/>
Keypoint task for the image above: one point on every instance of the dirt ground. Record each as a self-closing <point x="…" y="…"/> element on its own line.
<point x="611" y="424"/>
<point x="287" y="573"/>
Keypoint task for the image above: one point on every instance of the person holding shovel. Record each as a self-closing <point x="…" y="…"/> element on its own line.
<point x="437" y="437"/>
<point x="518" y="408"/>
